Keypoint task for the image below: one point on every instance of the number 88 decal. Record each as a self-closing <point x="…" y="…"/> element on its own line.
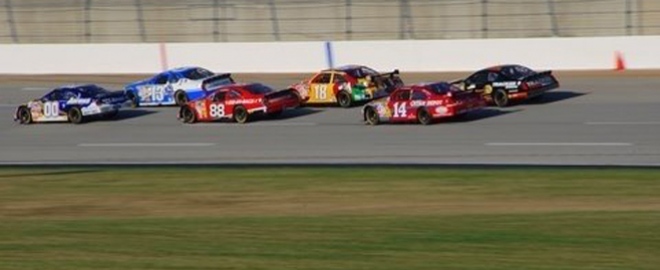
<point x="217" y="110"/>
<point x="51" y="109"/>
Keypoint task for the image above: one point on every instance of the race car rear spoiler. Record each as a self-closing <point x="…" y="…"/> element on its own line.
<point x="388" y="80"/>
<point x="537" y="75"/>
<point x="216" y="81"/>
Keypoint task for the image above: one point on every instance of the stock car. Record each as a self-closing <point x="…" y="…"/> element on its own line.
<point x="74" y="103"/>
<point x="346" y="85"/>
<point x="239" y="102"/>
<point x="423" y="103"/>
<point x="175" y="86"/>
<point x="502" y="84"/>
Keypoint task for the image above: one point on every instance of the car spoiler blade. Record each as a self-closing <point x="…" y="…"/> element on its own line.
<point x="214" y="82"/>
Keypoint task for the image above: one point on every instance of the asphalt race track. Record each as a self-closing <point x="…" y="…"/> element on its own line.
<point x="593" y="119"/>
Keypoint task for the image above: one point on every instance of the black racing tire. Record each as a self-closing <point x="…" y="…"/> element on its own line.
<point x="344" y="99"/>
<point x="500" y="98"/>
<point x="424" y="117"/>
<point x="24" y="115"/>
<point x="371" y="116"/>
<point x="187" y="115"/>
<point x="135" y="101"/>
<point x="75" y="115"/>
<point x="241" y="115"/>
<point x="180" y="98"/>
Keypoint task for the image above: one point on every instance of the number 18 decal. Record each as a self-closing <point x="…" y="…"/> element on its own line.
<point x="51" y="109"/>
<point x="217" y="110"/>
<point x="400" y="109"/>
<point x="321" y="91"/>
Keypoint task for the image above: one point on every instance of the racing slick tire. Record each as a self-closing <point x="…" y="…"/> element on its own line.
<point x="501" y="98"/>
<point x="344" y="99"/>
<point x="133" y="99"/>
<point x="371" y="116"/>
<point x="241" y="115"/>
<point x="180" y="98"/>
<point x="75" y="115"/>
<point x="187" y="115"/>
<point x="424" y="117"/>
<point x="24" y="115"/>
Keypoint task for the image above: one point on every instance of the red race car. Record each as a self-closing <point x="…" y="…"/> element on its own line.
<point x="239" y="102"/>
<point x="422" y="103"/>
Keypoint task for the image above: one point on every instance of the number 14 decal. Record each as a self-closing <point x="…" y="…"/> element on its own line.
<point x="400" y="109"/>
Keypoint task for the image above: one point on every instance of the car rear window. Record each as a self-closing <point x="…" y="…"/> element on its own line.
<point x="258" y="89"/>
<point x="516" y="72"/>
<point x="197" y="73"/>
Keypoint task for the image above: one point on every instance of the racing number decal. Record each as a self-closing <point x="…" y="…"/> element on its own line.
<point x="157" y="94"/>
<point x="217" y="110"/>
<point x="400" y="109"/>
<point x="321" y="91"/>
<point x="51" y="109"/>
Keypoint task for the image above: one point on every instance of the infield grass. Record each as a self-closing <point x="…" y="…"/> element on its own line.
<point x="329" y="218"/>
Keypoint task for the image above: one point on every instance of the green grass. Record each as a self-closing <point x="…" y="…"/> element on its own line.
<point x="324" y="218"/>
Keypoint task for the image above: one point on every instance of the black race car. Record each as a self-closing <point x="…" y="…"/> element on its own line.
<point x="502" y="84"/>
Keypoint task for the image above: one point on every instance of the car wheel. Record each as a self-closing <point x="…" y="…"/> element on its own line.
<point x="180" y="98"/>
<point x="343" y="99"/>
<point x="500" y="98"/>
<point x="187" y="115"/>
<point x="371" y="116"/>
<point x="24" y="115"/>
<point x="75" y="115"/>
<point x="241" y="115"/>
<point x="423" y="117"/>
<point x="135" y="102"/>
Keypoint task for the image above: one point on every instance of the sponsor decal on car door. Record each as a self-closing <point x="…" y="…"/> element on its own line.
<point x="400" y="105"/>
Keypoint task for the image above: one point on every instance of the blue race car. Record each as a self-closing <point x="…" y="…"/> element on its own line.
<point x="175" y="86"/>
<point x="75" y="104"/>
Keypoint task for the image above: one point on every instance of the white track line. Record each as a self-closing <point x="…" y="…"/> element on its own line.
<point x="146" y="144"/>
<point x="34" y="89"/>
<point x="558" y="144"/>
<point x="624" y="123"/>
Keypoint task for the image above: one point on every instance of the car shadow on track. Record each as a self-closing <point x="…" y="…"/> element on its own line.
<point x="289" y="114"/>
<point x="552" y="97"/>
<point x="130" y="114"/>
<point x="481" y="114"/>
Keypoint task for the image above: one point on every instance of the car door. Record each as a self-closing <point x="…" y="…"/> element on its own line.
<point x="399" y="105"/>
<point x="154" y="92"/>
<point x="321" y="90"/>
<point x="51" y="107"/>
<point x="217" y="106"/>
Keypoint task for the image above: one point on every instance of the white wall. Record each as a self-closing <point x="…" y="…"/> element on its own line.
<point x="597" y="53"/>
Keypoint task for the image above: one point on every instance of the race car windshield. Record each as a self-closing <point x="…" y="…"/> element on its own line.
<point x="259" y="89"/>
<point x="517" y="72"/>
<point x="197" y="73"/>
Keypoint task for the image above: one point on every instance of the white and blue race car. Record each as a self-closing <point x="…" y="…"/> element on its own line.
<point x="74" y="103"/>
<point x="175" y="86"/>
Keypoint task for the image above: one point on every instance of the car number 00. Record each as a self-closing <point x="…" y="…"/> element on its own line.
<point x="51" y="109"/>
<point x="217" y="110"/>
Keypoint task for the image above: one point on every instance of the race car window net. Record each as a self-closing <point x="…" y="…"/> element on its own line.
<point x="418" y="95"/>
<point x="402" y="95"/>
<point x="322" y="78"/>
<point x="338" y="78"/>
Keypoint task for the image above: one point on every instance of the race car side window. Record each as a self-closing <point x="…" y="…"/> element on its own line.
<point x="219" y="96"/>
<point x="493" y="76"/>
<point x="402" y="95"/>
<point x="322" y="78"/>
<point x="68" y="94"/>
<point x="161" y="79"/>
<point x="418" y="95"/>
<point x="479" y="77"/>
<point x="338" y="78"/>
<point x="233" y="94"/>
<point x="55" y="95"/>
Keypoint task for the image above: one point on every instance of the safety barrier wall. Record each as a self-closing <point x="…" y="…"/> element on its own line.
<point x="597" y="53"/>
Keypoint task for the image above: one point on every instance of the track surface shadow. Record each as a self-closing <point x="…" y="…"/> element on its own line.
<point x="129" y="114"/>
<point x="552" y="97"/>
